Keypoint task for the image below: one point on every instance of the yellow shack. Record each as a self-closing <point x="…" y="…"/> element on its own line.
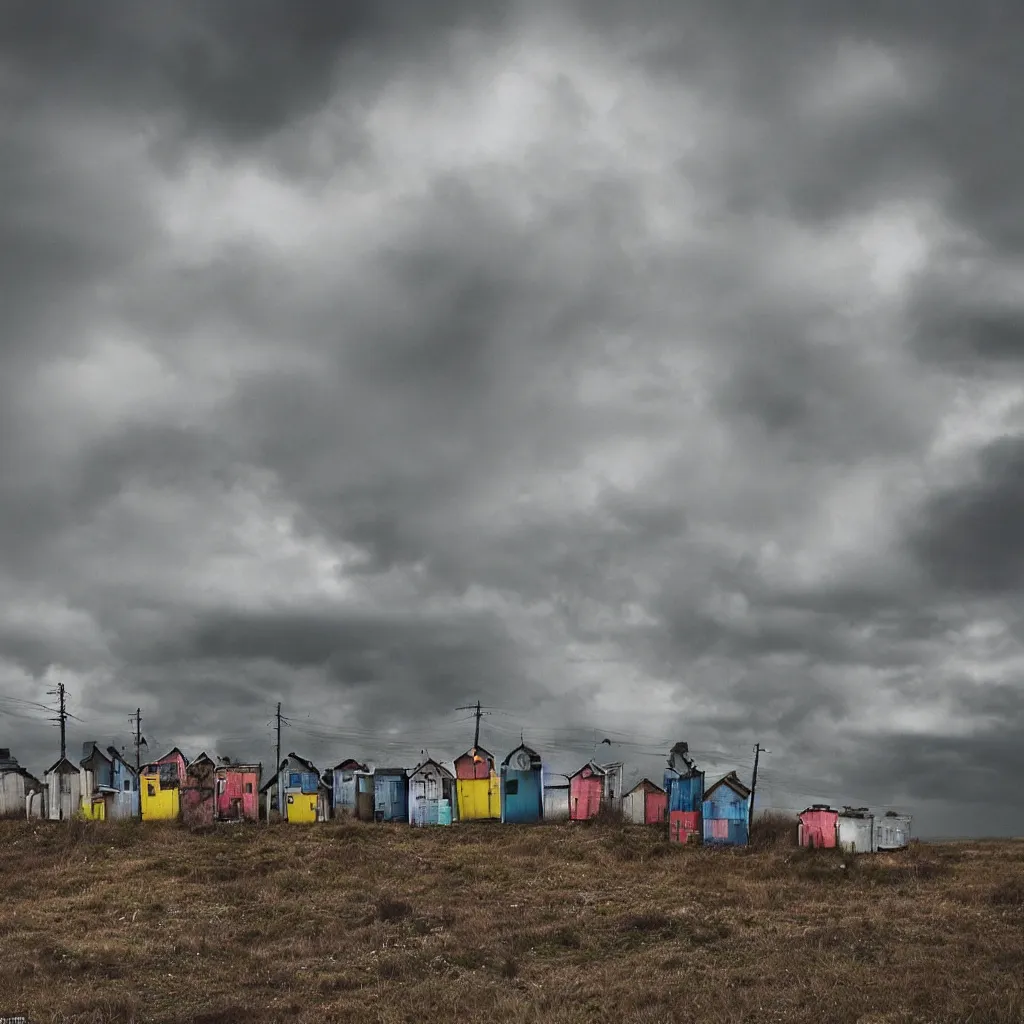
<point x="160" y="787"/>
<point x="477" y="787"/>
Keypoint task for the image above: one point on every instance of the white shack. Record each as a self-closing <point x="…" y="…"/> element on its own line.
<point x="22" y="795"/>
<point x="63" y="790"/>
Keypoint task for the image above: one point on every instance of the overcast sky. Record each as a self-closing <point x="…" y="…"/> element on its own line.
<point x="645" y="371"/>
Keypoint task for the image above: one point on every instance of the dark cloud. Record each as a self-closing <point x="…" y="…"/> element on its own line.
<point x="611" y="370"/>
<point x="235" y="72"/>
<point x="970" y="537"/>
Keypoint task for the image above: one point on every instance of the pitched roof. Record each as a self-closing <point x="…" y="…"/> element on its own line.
<point x="62" y="762"/>
<point x="308" y="765"/>
<point x="595" y="768"/>
<point x="96" y="749"/>
<point x="477" y="754"/>
<point x="350" y="762"/>
<point x="204" y="756"/>
<point x="9" y="765"/>
<point x="646" y="782"/>
<point x="732" y="780"/>
<point x="431" y="763"/>
<point x="170" y="753"/>
<point x="534" y="756"/>
<point x="116" y="755"/>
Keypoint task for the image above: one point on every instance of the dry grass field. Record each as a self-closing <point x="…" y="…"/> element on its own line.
<point x="245" y="925"/>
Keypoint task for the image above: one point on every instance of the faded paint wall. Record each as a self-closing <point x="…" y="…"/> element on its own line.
<point x="237" y="797"/>
<point x="344" y="789"/>
<point x="856" y="835"/>
<point x="683" y="826"/>
<point x="64" y="795"/>
<point x="431" y="791"/>
<point x="390" y="796"/>
<point x="586" y="790"/>
<point x="126" y="803"/>
<point x="685" y="792"/>
<point x="724" y="816"/>
<point x="12" y="795"/>
<point x="892" y="832"/>
<point x="556" y="802"/>
<point x="818" y="828"/>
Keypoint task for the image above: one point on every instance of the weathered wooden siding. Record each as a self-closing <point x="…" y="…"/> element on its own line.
<point x="685" y="792"/>
<point x="645" y="804"/>
<point x="364" y="796"/>
<point x="390" y="794"/>
<point x="725" y="812"/>
<point x="431" y="792"/>
<point x="683" y="826"/>
<point x="126" y="803"/>
<point x="21" y="793"/>
<point x="344" y="793"/>
<point x="237" y="797"/>
<point x="556" y="802"/>
<point x="63" y="791"/>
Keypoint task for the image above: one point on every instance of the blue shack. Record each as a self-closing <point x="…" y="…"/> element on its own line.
<point x="726" y="812"/>
<point x="126" y="782"/>
<point x="684" y="784"/>
<point x="344" y="787"/>
<point x="522" y="786"/>
<point x="390" y="794"/>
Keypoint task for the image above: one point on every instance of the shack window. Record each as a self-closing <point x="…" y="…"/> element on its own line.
<point x="511" y="787"/>
<point x="127" y="785"/>
<point x="151" y="789"/>
<point x="295" y="779"/>
<point x="248" y="787"/>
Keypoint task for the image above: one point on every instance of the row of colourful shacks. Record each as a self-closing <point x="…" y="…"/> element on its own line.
<point x="204" y="791"/>
<point x="104" y="786"/>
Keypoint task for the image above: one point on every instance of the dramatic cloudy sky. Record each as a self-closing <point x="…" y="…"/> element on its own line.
<point x="646" y="371"/>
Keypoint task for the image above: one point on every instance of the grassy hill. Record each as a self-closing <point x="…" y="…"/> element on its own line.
<point x="347" y="922"/>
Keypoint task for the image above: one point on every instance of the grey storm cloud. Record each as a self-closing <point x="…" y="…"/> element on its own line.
<point x="648" y="373"/>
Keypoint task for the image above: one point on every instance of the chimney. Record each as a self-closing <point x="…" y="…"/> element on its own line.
<point x="5" y="753"/>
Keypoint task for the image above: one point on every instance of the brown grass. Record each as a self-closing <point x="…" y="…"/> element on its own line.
<point x="105" y="923"/>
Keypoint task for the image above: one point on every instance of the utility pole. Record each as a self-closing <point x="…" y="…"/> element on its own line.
<point x="758" y="750"/>
<point x="475" y="708"/>
<point x="140" y="742"/>
<point x="62" y="717"/>
<point x="137" y="719"/>
<point x="277" y="767"/>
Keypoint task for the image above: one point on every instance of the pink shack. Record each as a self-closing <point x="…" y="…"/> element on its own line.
<point x="646" y="804"/>
<point x="586" y="790"/>
<point x="238" y="792"/>
<point x="819" y="827"/>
